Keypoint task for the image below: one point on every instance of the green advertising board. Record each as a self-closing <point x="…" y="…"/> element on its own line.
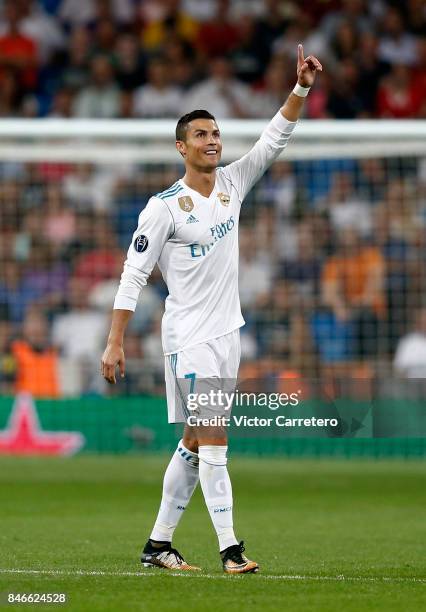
<point x="139" y="424"/>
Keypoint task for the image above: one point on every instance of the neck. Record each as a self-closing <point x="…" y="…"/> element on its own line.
<point x="203" y="182"/>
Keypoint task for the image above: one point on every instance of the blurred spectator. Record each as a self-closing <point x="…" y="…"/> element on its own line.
<point x="157" y="98"/>
<point x="399" y="95"/>
<point x="317" y="101"/>
<point x="126" y="105"/>
<point x="7" y="360"/>
<point x="345" y="101"/>
<point x="398" y="255"/>
<point x="255" y="272"/>
<point x="45" y="277"/>
<point x="104" y="38"/>
<point x="78" y="12"/>
<point x="372" y="180"/>
<point x="397" y="46"/>
<point x="102" y="97"/>
<point x="240" y="8"/>
<point x="371" y="70"/>
<point x="300" y="30"/>
<point x="30" y="107"/>
<point x="101" y="261"/>
<point x="218" y="36"/>
<point x="102" y="294"/>
<point x="221" y="93"/>
<point x="304" y="270"/>
<point x="246" y="57"/>
<point x="200" y="11"/>
<point x="414" y="16"/>
<point x="90" y="188"/>
<point x="82" y="242"/>
<point x="270" y="26"/>
<point x="349" y="11"/>
<point x="62" y="104"/>
<point x="9" y="211"/>
<point x="168" y="17"/>
<point x="80" y="332"/>
<point x="353" y="288"/>
<point x="36" y="361"/>
<point x="347" y="209"/>
<point x="15" y="297"/>
<point x="75" y="73"/>
<point x="59" y="219"/>
<point x="31" y="229"/>
<point x="129" y="63"/>
<point x="18" y="52"/>
<point x="344" y="42"/>
<point x="275" y="322"/>
<point x="279" y="191"/>
<point x="9" y="95"/>
<point x="179" y="54"/>
<point x="272" y="90"/>
<point x="43" y="29"/>
<point x="410" y="356"/>
<point x="279" y="188"/>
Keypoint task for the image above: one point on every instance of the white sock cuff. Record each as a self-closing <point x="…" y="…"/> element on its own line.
<point x="213" y="455"/>
<point x="189" y="456"/>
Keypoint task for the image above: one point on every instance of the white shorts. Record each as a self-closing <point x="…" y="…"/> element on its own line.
<point x="217" y="359"/>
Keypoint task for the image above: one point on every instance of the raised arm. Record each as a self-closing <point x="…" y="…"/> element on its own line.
<point x="245" y="172"/>
<point x="306" y="69"/>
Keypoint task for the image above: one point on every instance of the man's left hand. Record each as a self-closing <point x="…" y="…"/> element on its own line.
<point x="306" y="68"/>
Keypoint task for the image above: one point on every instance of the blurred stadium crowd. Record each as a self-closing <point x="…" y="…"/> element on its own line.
<point x="159" y="58"/>
<point x="332" y="275"/>
<point x="332" y="272"/>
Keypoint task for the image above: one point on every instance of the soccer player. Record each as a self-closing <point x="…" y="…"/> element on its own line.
<point x="191" y="230"/>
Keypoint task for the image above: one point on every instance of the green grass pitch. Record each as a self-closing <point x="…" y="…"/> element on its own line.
<point x="329" y="535"/>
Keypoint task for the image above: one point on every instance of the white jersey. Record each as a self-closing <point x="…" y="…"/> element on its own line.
<point x="194" y="239"/>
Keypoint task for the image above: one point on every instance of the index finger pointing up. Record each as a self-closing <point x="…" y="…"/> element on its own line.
<point x="300" y="57"/>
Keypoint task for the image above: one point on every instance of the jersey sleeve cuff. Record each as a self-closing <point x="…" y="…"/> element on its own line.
<point x="283" y="124"/>
<point x="123" y="302"/>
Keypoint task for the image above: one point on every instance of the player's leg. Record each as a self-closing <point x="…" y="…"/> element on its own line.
<point x="214" y="477"/>
<point x="217" y="491"/>
<point x="180" y="480"/>
<point x="215" y="482"/>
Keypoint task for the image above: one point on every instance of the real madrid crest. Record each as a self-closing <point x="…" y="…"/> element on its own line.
<point x="186" y="203"/>
<point x="224" y="198"/>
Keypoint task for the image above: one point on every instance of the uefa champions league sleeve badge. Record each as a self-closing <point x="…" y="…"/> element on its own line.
<point x="140" y="243"/>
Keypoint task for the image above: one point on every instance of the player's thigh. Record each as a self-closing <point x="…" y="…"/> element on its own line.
<point x="195" y="365"/>
<point x="230" y="355"/>
<point x="199" y="380"/>
<point x="204" y="435"/>
<point x="186" y="374"/>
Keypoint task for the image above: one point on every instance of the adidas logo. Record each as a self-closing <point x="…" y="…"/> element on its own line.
<point x="192" y="219"/>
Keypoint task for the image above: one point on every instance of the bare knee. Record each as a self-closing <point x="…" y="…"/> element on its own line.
<point x="189" y="439"/>
<point x="194" y="437"/>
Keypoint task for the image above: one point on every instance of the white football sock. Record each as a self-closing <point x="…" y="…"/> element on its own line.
<point x="217" y="491"/>
<point x="179" y="482"/>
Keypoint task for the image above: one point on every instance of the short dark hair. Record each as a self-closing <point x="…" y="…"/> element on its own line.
<point x="182" y="124"/>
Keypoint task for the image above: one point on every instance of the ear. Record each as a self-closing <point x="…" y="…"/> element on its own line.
<point x="181" y="147"/>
